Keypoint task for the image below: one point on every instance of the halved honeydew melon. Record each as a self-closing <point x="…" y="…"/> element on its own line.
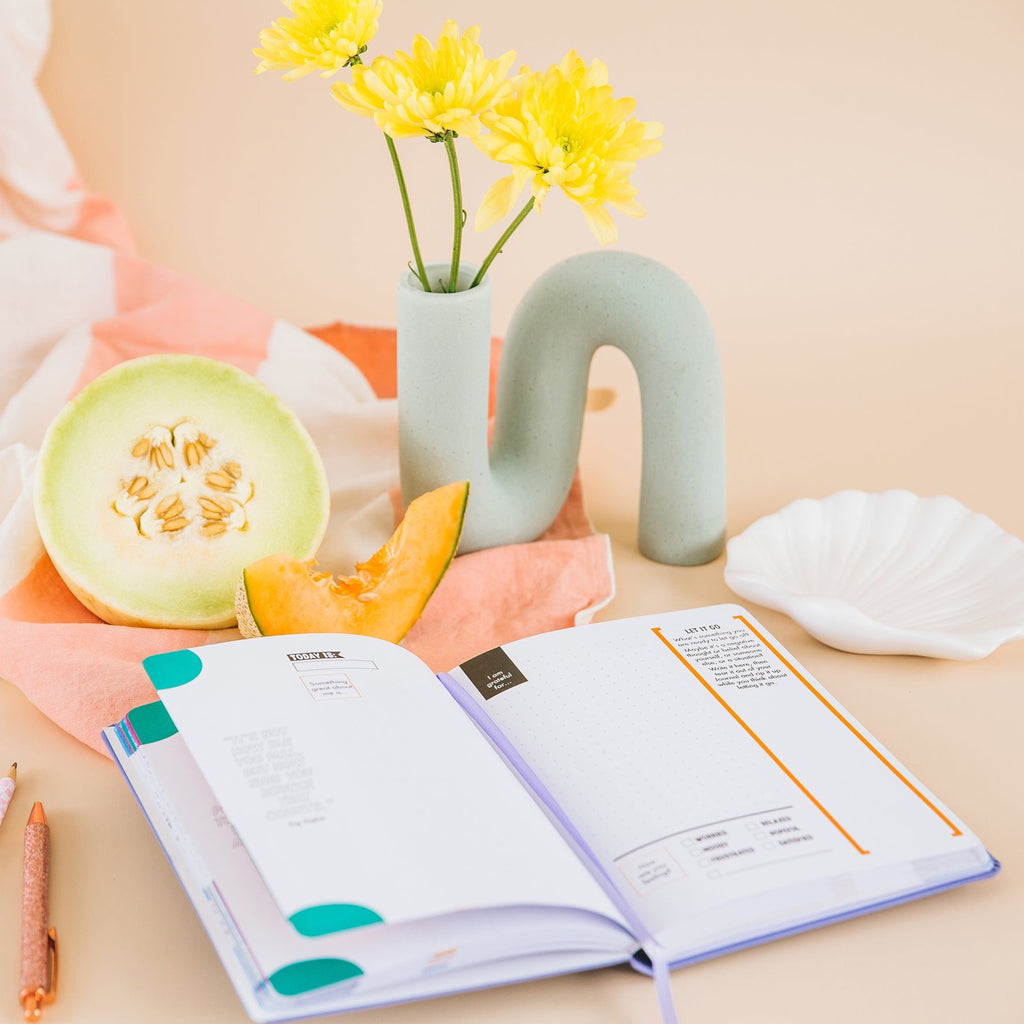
<point x="163" y="478"/>
<point x="282" y="594"/>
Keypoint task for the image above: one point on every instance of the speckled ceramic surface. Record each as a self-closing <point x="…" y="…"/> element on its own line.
<point x="520" y="479"/>
<point x="885" y="573"/>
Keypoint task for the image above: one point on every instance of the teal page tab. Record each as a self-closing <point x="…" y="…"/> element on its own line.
<point x="175" y="668"/>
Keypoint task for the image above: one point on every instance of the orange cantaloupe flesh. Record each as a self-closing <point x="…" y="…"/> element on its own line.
<point x="280" y="594"/>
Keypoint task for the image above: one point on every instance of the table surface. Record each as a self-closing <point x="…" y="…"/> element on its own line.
<point x="845" y="200"/>
<point x="129" y="938"/>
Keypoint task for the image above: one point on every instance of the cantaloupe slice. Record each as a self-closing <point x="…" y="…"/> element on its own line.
<point x="281" y="594"/>
<point x="163" y="478"/>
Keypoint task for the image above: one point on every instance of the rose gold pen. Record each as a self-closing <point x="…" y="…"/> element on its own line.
<point x="38" y="939"/>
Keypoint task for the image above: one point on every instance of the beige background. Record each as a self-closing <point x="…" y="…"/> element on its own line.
<point x="841" y="185"/>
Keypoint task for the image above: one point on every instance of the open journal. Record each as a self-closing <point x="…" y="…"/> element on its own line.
<point x="353" y="830"/>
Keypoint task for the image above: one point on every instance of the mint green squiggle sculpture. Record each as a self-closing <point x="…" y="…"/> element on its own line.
<point x="520" y="480"/>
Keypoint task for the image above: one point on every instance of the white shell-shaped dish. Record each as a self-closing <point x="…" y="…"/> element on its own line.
<point x="885" y="573"/>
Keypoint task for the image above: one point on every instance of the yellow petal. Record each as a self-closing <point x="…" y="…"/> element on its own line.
<point x="463" y="124"/>
<point x="497" y="202"/>
<point x="631" y="208"/>
<point x="600" y="222"/>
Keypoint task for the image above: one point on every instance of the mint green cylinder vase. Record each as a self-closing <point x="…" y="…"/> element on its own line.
<point x="519" y="481"/>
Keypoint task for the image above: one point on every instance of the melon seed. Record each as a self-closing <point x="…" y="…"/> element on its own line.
<point x="193" y="454"/>
<point x="214" y="508"/>
<point x="194" y="444"/>
<point x="219" y="481"/>
<point x="155" y="445"/>
<point x="140" y="487"/>
<point x="171" y="506"/>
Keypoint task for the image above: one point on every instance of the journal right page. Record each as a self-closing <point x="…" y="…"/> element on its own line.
<point x="722" y="791"/>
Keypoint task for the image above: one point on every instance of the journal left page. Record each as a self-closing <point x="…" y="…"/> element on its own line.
<point x="280" y="974"/>
<point x="360" y="790"/>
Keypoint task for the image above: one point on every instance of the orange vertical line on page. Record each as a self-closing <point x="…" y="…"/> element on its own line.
<point x="849" y="725"/>
<point x="757" y="739"/>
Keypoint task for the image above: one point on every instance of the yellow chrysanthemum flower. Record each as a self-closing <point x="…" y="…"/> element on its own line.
<point x="434" y="91"/>
<point x="564" y="128"/>
<point x="323" y="35"/>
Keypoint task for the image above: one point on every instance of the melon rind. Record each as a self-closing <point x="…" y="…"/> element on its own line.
<point x="186" y="580"/>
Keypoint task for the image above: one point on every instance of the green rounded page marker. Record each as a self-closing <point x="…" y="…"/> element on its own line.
<point x="175" y="668"/>
<point x="328" y="918"/>
<point x="307" y="975"/>
<point x="151" y="722"/>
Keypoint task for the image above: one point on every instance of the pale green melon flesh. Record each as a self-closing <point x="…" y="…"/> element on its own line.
<point x="244" y="475"/>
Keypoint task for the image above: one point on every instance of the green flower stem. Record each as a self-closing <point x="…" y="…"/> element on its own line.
<point x="499" y="244"/>
<point x="453" y="163"/>
<point x="421" y="271"/>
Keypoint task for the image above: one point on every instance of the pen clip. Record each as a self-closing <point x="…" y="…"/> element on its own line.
<point x="33" y="1000"/>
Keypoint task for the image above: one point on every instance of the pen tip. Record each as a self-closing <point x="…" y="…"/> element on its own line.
<point x="12" y="772"/>
<point x="38" y="815"/>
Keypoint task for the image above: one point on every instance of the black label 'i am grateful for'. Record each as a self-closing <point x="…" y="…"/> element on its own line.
<point x="493" y="673"/>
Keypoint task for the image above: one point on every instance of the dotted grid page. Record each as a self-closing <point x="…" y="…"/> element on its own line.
<point x="701" y="766"/>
